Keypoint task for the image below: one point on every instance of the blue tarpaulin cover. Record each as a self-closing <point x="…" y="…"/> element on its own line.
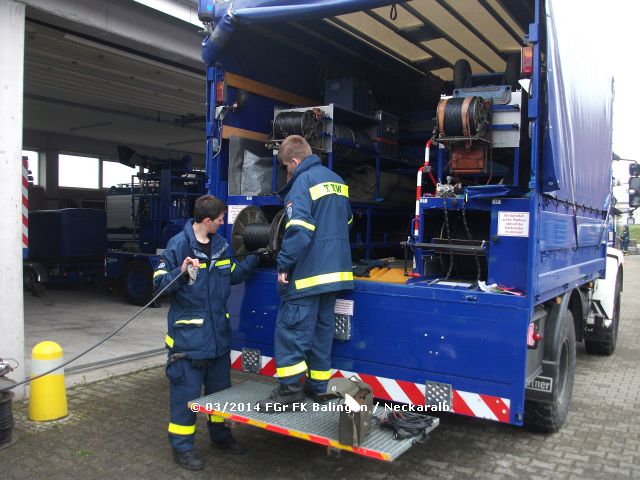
<point x="580" y="105"/>
<point x="287" y="10"/>
<point x="265" y="11"/>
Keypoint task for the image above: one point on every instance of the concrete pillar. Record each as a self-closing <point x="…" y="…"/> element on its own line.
<point x="11" y="98"/>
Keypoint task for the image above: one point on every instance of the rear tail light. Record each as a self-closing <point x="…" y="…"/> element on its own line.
<point x="533" y="336"/>
<point x="526" y="61"/>
<point x="220" y="93"/>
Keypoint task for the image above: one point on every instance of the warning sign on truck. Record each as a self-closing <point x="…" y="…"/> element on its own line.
<point x="513" y="224"/>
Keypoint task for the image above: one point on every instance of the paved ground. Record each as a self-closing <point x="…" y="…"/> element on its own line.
<point x="118" y="430"/>
<point x="78" y="316"/>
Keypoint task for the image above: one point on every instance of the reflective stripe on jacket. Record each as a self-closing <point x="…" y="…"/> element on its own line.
<point x="198" y="322"/>
<point x="315" y="249"/>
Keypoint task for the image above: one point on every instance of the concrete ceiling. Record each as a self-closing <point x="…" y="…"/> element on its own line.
<point x="81" y="87"/>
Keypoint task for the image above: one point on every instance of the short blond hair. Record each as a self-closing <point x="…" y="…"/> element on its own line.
<point x="294" y="146"/>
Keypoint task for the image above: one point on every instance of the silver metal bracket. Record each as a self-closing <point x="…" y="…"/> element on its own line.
<point x="343" y="327"/>
<point x="438" y="395"/>
<point x="251" y="360"/>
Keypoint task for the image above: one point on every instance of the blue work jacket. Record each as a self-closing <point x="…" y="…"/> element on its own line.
<point x="315" y="250"/>
<point x="198" y="321"/>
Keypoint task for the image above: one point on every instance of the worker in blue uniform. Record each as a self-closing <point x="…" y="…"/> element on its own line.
<point x="624" y="239"/>
<point x="314" y="264"/>
<point x="199" y="332"/>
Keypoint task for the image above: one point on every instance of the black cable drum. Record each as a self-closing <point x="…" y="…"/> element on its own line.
<point x="306" y="124"/>
<point x="257" y="235"/>
<point x="6" y="417"/>
<point x="452" y="122"/>
<point x="356" y="139"/>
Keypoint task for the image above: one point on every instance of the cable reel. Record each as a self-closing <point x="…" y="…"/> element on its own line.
<point x="463" y="125"/>
<point x="252" y="231"/>
<point x="308" y="124"/>
<point x="462" y="118"/>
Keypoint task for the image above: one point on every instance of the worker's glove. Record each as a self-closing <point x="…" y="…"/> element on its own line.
<point x="192" y="274"/>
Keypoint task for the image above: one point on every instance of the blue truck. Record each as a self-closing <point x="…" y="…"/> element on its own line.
<point x="475" y="139"/>
<point x="143" y="215"/>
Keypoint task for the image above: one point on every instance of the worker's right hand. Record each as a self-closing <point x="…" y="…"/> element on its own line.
<point x="189" y="261"/>
<point x="282" y="278"/>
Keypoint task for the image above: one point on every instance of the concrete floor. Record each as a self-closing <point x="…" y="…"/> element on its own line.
<point x="76" y="317"/>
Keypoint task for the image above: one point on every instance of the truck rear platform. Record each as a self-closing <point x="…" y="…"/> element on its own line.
<point x="313" y="422"/>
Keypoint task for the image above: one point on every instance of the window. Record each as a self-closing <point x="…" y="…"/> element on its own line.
<point x="78" y="172"/>
<point x="114" y="173"/>
<point x="33" y="164"/>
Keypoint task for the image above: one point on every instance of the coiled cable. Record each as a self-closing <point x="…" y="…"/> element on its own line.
<point x="406" y="424"/>
<point x="307" y="124"/>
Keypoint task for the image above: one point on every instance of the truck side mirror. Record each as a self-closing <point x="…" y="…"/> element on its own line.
<point x="634" y="192"/>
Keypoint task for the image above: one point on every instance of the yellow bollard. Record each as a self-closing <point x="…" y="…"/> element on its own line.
<point x="48" y="397"/>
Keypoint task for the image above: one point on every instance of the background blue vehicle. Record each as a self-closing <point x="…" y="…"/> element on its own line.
<point x="481" y="198"/>
<point x="143" y="215"/>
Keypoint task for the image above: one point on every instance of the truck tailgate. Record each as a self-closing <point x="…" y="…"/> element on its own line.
<point x="313" y="422"/>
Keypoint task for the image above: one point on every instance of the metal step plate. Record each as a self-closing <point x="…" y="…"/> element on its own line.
<point x="311" y="421"/>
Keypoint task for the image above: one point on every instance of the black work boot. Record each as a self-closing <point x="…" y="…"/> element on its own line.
<point x="315" y="395"/>
<point x="281" y="399"/>
<point x="188" y="460"/>
<point x="229" y="445"/>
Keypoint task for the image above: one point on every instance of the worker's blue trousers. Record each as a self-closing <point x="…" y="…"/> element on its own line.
<point x="304" y="335"/>
<point x="185" y="385"/>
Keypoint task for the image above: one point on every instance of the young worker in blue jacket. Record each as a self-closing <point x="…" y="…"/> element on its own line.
<point x="314" y="264"/>
<point x="199" y="333"/>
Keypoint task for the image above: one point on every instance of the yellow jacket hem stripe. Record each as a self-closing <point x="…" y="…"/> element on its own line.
<point x="292" y="370"/>
<point x="320" y="374"/>
<point x="323" y="279"/>
<point x="182" y="429"/>
<point x="159" y="272"/>
<point x="301" y="223"/>
<point x="328" y="188"/>
<point x="193" y="321"/>
<point x="169" y="341"/>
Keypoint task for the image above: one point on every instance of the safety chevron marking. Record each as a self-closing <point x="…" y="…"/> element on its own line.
<point x="25" y="205"/>
<point x="463" y="403"/>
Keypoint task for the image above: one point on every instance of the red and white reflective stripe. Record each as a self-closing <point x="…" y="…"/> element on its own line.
<point x="463" y="403"/>
<point x="25" y="207"/>
<point x="416" y="225"/>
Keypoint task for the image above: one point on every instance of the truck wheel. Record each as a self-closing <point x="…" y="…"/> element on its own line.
<point x="137" y="283"/>
<point x="549" y="417"/>
<point x="608" y="347"/>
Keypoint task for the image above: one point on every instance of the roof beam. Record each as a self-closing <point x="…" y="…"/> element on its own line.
<point x="447" y="37"/>
<point x="501" y="21"/>
<point x="471" y="27"/>
<point x="402" y="33"/>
